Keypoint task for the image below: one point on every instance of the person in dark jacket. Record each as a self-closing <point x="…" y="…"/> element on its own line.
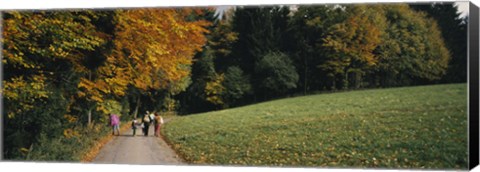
<point x="134" y="126"/>
<point x="146" y="123"/>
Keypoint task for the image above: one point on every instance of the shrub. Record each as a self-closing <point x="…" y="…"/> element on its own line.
<point x="66" y="148"/>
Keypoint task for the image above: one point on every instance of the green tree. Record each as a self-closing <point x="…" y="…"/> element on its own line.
<point x="412" y="51"/>
<point x="260" y="30"/>
<point x="454" y="31"/>
<point x="237" y="85"/>
<point x="194" y="100"/>
<point x="309" y="25"/>
<point x="213" y="59"/>
<point x="222" y="40"/>
<point x="276" y="74"/>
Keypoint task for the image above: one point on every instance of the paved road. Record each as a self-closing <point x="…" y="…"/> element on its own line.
<point x="145" y="150"/>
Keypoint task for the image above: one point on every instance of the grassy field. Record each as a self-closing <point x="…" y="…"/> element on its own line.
<point x="409" y="127"/>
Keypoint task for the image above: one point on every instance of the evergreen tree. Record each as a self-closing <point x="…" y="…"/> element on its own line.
<point x="260" y="30"/>
<point x="237" y="86"/>
<point x="208" y="64"/>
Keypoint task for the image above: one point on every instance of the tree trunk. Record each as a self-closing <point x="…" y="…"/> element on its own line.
<point x="29" y="150"/>
<point x="89" y="115"/>
<point x="358" y="80"/>
<point x="345" y="81"/>
<point x="135" y="113"/>
<point x="348" y="78"/>
<point x="334" y="83"/>
<point x="305" y="76"/>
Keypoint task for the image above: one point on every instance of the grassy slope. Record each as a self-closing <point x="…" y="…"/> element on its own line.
<point x="410" y="127"/>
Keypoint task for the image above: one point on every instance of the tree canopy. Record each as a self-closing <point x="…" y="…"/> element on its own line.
<point x="65" y="71"/>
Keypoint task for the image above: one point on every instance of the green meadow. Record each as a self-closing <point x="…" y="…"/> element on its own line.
<point x="407" y="127"/>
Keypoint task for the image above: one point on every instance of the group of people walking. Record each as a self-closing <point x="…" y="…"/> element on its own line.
<point x="148" y="119"/>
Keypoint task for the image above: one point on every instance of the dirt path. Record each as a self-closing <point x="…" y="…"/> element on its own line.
<point x="145" y="150"/>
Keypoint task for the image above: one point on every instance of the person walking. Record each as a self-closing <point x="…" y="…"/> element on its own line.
<point x="146" y="123"/>
<point x="134" y="126"/>
<point x="157" y="123"/>
<point x="115" y="123"/>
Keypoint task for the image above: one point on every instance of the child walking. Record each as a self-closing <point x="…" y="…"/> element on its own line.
<point x="134" y="126"/>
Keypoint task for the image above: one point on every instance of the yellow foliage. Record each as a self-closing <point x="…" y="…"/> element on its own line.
<point x="23" y="31"/>
<point x="356" y="38"/>
<point x="214" y="90"/>
<point x="102" y="109"/>
<point x="24" y="91"/>
<point x="69" y="133"/>
<point x="109" y="106"/>
<point x="151" y="49"/>
<point x="158" y="42"/>
<point x="70" y="118"/>
<point x="92" y="91"/>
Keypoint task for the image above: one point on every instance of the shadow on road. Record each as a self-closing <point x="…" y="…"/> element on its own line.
<point x="130" y="135"/>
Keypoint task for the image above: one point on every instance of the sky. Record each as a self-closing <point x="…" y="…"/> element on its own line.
<point x="461" y="6"/>
<point x="62" y="4"/>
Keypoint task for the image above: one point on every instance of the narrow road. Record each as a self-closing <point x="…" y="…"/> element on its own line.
<point x="139" y="149"/>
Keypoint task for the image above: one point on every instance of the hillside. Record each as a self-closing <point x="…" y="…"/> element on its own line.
<point x="408" y="127"/>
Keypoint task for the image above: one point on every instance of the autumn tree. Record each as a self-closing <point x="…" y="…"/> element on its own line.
<point x="43" y="63"/>
<point x="66" y="69"/>
<point x="412" y="50"/>
<point x="454" y="32"/>
<point x="350" y="44"/>
<point x="153" y="50"/>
